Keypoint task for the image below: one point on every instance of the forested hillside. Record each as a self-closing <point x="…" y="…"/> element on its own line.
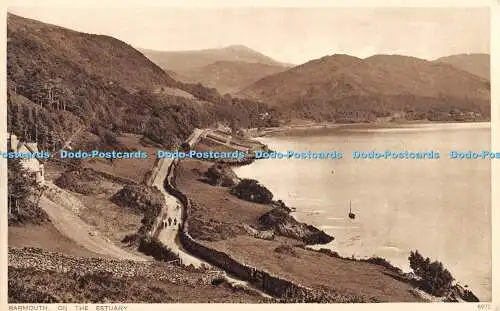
<point x="344" y="88"/>
<point x="62" y="81"/>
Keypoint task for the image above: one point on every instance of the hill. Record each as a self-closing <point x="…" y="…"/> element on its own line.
<point x="344" y="88"/>
<point x="179" y="61"/>
<point x="228" y="69"/>
<point x="229" y="76"/>
<point x="61" y="81"/>
<point x="478" y="64"/>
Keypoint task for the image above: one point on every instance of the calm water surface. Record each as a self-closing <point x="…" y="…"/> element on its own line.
<point x="440" y="207"/>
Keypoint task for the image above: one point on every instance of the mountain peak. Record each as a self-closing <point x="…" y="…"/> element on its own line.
<point x="239" y="47"/>
<point x="188" y="60"/>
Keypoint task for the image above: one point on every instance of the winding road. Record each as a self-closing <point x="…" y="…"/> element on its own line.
<point x="173" y="210"/>
<point x="168" y="234"/>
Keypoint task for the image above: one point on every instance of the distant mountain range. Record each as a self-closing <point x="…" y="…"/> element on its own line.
<point x="349" y="89"/>
<point x="228" y="76"/>
<point x="342" y="87"/>
<point x="478" y="64"/>
<point x="60" y="80"/>
<point x="227" y="69"/>
<point x="185" y="60"/>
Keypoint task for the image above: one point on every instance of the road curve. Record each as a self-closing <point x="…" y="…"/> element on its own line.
<point x="168" y="234"/>
<point x="172" y="210"/>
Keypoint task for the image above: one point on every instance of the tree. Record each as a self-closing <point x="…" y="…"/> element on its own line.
<point x="251" y="190"/>
<point x="24" y="193"/>
<point x="434" y="278"/>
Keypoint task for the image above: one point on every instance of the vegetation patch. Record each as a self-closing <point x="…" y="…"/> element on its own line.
<point x="142" y="199"/>
<point x="80" y="180"/>
<point x="286" y="250"/>
<point x="284" y="224"/>
<point x="251" y="190"/>
<point x="24" y="193"/>
<point x="221" y="175"/>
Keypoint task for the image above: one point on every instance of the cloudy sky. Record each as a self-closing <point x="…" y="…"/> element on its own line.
<point x="293" y="35"/>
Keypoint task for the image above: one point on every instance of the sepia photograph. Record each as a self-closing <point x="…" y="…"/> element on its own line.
<point x="247" y="154"/>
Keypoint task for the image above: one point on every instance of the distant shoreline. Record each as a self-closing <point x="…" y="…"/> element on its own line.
<point x="255" y="133"/>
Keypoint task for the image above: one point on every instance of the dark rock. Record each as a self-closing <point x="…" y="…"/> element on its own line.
<point x="221" y="175"/>
<point x="329" y="252"/>
<point x="281" y="204"/>
<point x="458" y="291"/>
<point x="218" y="281"/>
<point x="251" y="190"/>
<point x="284" y="224"/>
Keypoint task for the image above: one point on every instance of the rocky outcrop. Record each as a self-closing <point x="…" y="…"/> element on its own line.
<point x="461" y="294"/>
<point x="284" y="224"/>
<point x="221" y="175"/>
<point x="251" y="190"/>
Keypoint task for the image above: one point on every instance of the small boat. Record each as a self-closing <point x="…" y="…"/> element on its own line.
<point x="351" y="214"/>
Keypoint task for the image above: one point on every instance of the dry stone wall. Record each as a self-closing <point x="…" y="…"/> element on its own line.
<point x="38" y="259"/>
<point x="271" y="284"/>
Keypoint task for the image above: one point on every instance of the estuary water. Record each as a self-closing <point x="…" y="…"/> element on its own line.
<point x="442" y="207"/>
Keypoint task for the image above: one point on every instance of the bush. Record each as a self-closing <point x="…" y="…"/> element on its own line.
<point x="80" y="180"/>
<point x="434" y="278"/>
<point x="23" y="195"/>
<point x="141" y="199"/>
<point x="251" y="190"/>
<point x="221" y="175"/>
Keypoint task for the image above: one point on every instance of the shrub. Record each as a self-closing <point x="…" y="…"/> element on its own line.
<point x="23" y="195"/>
<point x="434" y="278"/>
<point x="251" y="190"/>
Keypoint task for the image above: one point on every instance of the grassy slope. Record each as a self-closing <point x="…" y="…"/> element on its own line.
<point x="216" y="219"/>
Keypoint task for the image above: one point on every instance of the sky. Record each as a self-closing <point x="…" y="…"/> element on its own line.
<point x="291" y="35"/>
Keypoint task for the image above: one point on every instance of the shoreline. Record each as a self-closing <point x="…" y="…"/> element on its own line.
<point x="403" y="268"/>
<point x="264" y="132"/>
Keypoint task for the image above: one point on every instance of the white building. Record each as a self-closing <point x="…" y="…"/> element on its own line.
<point x="32" y="164"/>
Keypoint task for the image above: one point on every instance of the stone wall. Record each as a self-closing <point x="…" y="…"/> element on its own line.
<point x="43" y="260"/>
<point x="271" y="284"/>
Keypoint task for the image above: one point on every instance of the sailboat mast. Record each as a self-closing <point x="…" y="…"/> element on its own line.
<point x="349" y="206"/>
